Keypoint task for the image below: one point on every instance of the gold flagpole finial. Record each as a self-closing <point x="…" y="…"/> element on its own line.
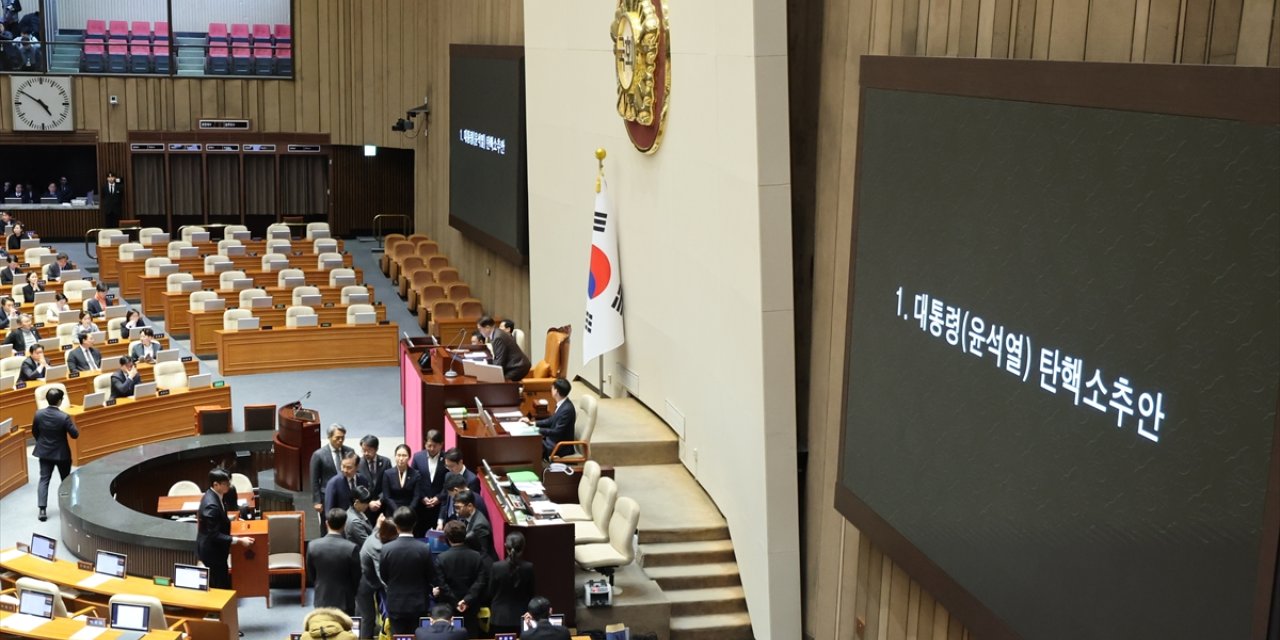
<point x="600" y="154"/>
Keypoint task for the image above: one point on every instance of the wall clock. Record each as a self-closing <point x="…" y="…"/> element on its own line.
<point x="642" y="64"/>
<point x="42" y="103"/>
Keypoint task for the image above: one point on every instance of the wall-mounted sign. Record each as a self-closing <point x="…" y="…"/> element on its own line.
<point x="642" y="66"/>
<point x="222" y="147"/>
<point x="146" y="147"/>
<point x="260" y="148"/>
<point x="184" y="146"/>
<point x="304" y="148"/>
<point x="242" y="125"/>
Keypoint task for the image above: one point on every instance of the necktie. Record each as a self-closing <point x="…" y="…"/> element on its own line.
<point x="351" y="484"/>
<point x="337" y="463"/>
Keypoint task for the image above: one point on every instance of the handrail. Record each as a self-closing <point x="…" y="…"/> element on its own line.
<point x="91" y="245"/>
<point x="377" y="226"/>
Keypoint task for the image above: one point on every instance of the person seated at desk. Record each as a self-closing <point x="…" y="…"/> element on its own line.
<point x="8" y="312"/>
<point x="16" y="237"/>
<point x="506" y="352"/>
<point x="62" y="263"/>
<point x="85" y="324"/>
<point x="97" y="305"/>
<point x="477" y="338"/>
<point x="557" y="427"/>
<point x="441" y="626"/>
<point x="33" y="286"/>
<point x="145" y="349"/>
<point x="453" y="484"/>
<point x="538" y="622"/>
<point x="11" y="272"/>
<point x="34" y="366"/>
<point x="132" y="318"/>
<point x="20" y="194"/>
<point x="84" y="357"/>
<point x="125" y="379"/>
<point x="51" y="193"/>
<point x="23" y="335"/>
<point x="59" y="305"/>
<point x="64" y="190"/>
<point x="479" y="532"/>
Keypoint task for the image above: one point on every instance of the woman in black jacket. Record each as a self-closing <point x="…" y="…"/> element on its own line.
<point x="400" y="483"/>
<point x="510" y="587"/>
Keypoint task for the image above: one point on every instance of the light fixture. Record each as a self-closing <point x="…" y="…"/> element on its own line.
<point x="370" y="151"/>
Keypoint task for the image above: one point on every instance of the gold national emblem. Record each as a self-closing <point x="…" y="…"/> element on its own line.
<point x="642" y="58"/>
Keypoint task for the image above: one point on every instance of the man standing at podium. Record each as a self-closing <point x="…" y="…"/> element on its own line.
<point x="213" y="532"/>
<point x="325" y="464"/>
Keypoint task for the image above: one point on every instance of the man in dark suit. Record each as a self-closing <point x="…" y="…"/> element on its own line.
<point x="50" y="428"/>
<point x="145" y="349"/>
<point x="97" y="305"/>
<point x="125" y="379"/>
<point x="84" y="357"/>
<point x="54" y="274"/>
<point x="334" y="562"/>
<point x="464" y="576"/>
<point x="340" y="492"/>
<point x="479" y="533"/>
<point x="34" y="365"/>
<point x="454" y="483"/>
<point x="24" y="335"/>
<point x="112" y="200"/>
<point x="540" y="615"/>
<point x="325" y="463"/>
<point x="213" y="530"/>
<point x="11" y="273"/>
<point x="371" y="468"/>
<point x="408" y="572"/>
<point x="64" y="190"/>
<point x="441" y="627"/>
<point x="558" y="427"/>
<point x="431" y="470"/>
<point x="506" y="352"/>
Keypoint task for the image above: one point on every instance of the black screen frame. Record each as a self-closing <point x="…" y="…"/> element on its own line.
<point x="1247" y="94"/>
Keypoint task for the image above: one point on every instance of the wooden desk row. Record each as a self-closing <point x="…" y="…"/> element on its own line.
<point x="20" y="404"/>
<point x="131" y="271"/>
<point x="203" y="324"/>
<point x="181" y="602"/>
<point x="67" y="629"/>
<point x="132" y="422"/>
<point x="176" y="304"/>
<point x="109" y="257"/>
<point x="110" y="351"/>
<point x="307" y="348"/>
<point x="154" y="288"/>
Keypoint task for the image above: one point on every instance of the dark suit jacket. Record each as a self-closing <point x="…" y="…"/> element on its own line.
<point x="464" y="576"/>
<point x="112" y="203"/>
<point x="545" y="631"/>
<point x="480" y="535"/>
<point x="408" y="572"/>
<point x="394" y="495"/>
<point x="558" y="427"/>
<point x="15" y="339"/>
<point x="95" y="308"/>
<point x="430" y="486"/>
<point x="473" y="483"/>
<point x="334" y="562"/>
<point x="76" y="360"/>
<point x="122" y="385"/>
<point x="31" y="370"/>
<point x="507" y="354"/>
<point x="8" y="277"/>
<point x="213" y="531"/>
<point x="55" y="271"/>
<point x="510" y="590"/>
<point x="338" y="494"/>
<point x="140" y="353"/>
<point x="50" y="428"/>
<point x="322" y="469"/>
<point x="29" y="293"/>
<point x="373" y="473"/>
<point x="14" y="241"/>
<point x="442" y="630"/>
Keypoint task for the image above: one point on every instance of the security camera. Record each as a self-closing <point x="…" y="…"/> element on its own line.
<point x="402" y="125"/>
<point x="114" y="101"/>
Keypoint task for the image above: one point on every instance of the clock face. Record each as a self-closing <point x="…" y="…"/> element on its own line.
<point x="43" y="103"/>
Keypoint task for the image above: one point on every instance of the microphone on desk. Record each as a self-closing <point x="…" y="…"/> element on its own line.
<point x="462" y="335"/>
<point x="298" y="402"/>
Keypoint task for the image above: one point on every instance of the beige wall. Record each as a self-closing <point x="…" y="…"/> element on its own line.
<point x="846" y="576"/>
<point x="704" y="234"/>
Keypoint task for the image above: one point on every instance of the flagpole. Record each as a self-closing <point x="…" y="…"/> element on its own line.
<point x="600" y="155"/>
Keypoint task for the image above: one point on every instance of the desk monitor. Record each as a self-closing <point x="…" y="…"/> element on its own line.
<point x="8" y="382"/>
<point x="47" y="258"/>
<point x="6" y="350"/>
<point x="246" y="324"/>
<point x="29" y="243"/>
<point x="306" y="321"/>
<point x="199" y="381"/>
<point x="282" y="249"/>
<point x="260" y="302"/>
<point x="240" y="284"/>
<point x="310" y="300"/>
<point x="68" y="275"/>
<point x="233" y="250"/>
<point x="279" y="234"/>
<point x="6" y="425"/>
<point x="115" y="311"/>
<point x="482" y="372"/>
<point x="43" y="546"/>
<point x="365" y="317"/>
<point x="424" y="621"/>
<point x="99" y="337"/>
<point x="220" y="266"/>
<point x="556" y="619"/>
<point x="291" y="282"/>
<point x="110" y="564"/>
<point x="135" y="333"/>
<point x="330" y="263"/>
<point x="12" y="201"/>
<point x="188" y="252"/>
<point x="55" y="372"/>
<point x="48" y="199"/>
<point x="94" y="400"/>
<point x="343" y="281"/>
<point x="216" y="304"/>
<point x="44" y="296"/>
<point x="199" y="236"/>
<point x="459" y="623"/>
<point x="138" y="254"/>
<point x="35" y="603"/>
<point x="355" y="626"/>
<point x="168" y="355"/>
<point x="144" y="390"/>
<point x="187" y="286"/>
<point x="8" y="230"/>
<point x="69" y="316"/>
<point x="166" y="269"/>
<point x="358" y="298"/>
<point x="186" y="576"/>
<point x="237" y="235"/>
<point x="158" y="238"/>
<point x="131" y="617"/>
<point x="50" y="344"/>
<point x="319" y="234"/>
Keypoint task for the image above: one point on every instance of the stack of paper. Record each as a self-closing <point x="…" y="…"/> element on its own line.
<point x="531" y="488"/>
<point x="94" y="580"/>
<point x="507" y="415"/>
<point x="22" y="622"/>
<point x="543" y="507"/>
<point x="520" y="429"/>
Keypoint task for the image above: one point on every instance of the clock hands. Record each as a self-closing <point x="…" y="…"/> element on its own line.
<point x="38" y="101"/>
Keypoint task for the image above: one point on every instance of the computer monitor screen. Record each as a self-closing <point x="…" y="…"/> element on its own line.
<point x="355" y="626"/>
<point x="34" y="603"/>
<point x="43" y="546"/>
<point x="557" y="620"/>
<point x="111" y="564"/>
<point x="505" y="636"/>
<point x="132" y="617"/>
<point x="459" y="623"/>
<point x="190" y="577"/>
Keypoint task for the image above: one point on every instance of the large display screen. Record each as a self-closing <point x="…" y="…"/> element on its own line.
<point x="1064" y="359"/>
<point x="488" y="188"/>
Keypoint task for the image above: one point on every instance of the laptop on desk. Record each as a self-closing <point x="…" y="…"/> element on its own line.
<point x="358" y="298"/>
<point x="305" y="321"/>
<point x="115" y="311"/>
<point x="45" y="296"/>
<point x="55" y="373"/>
<point x="187" y="286"/>
<point x="237" y="235"/>
<point x="131" y="620"/>
<point x="199" y="236"/>
<point x="216" y="304"/>
<point x="95" y="400"/>
<point x="365" y="317"/>
<point x="158" y="239"/>
<point x="240" y="284"/>
<point x="199" y="381"/>
<point x="310" y="300"/>
<point x="291" y="282"/>
<point x="166" y="269"/>
<point x="167" y="355"/>
<point x="246" y="324"/>
<point x="233" y="250"/>
<point x="69" y="316"/>
<point x="29" y="243"/>
<point x="482" y="372"/>
<point x="260" y="302"/>
<point x="144" y="390"/>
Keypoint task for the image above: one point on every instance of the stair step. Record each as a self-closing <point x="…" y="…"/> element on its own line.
<point x="719" y="626"/>
<point x="651" y="536"/>
<point x="692" y="602"/>
<point x="665" y="554"/>
<point x="697" y="576"/>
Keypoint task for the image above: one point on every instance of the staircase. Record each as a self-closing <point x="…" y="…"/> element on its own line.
<point x="698" y="574"/>
<point x="64" y="55"/>
<point x="190" y="56"/>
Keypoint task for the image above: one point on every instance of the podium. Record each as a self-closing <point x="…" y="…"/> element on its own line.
<point x="426" y="394"/>
<point x="249" y="575"/>
<point x="297" y="437"/>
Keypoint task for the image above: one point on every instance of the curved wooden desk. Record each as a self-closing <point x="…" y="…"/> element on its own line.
<point x="306" y="348"/>
<point x="204" y="324"/>
<point x="158" y="303"/>
<point x="66" y="628"/>
<point x="131" y="271"/>
<point x="22" y="402"/>
<point x="425" y="396"/>
<point x="131" y="422"/>
<point x="109" y="257"/>
<point x="13" y="460"/>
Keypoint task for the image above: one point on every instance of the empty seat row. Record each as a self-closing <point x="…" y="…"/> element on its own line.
<point x="241" y="51"/>
<point x="241" y="33"/>
<point x="122" y="31"/>
<point x="122" y="58"/>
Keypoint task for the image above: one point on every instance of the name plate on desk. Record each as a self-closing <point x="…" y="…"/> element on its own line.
<point x="85" y="566"/>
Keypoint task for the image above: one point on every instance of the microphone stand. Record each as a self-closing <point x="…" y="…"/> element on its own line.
<point x="462" y="335"/>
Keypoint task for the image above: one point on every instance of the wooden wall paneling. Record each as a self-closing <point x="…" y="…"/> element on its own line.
<point x="968" y="44"/>
<point x="1256" y="19"/>
<point x="1162" y="31"/>
<point x="1141" y="18"/>
<point x="1067" y="29"/>
<point x="1224" y="37"/>
<point x="1273" y="58"/>
<point x="1194" y="47"/>
<point x="1024" y="18"/>
<point x="1109" y="30"/>
<point x="954" y="21"/>
<point x="986" y="40"/>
